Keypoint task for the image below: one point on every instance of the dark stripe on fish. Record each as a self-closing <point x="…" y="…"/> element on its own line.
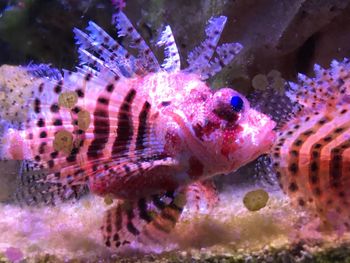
<point x="142" y="129"/>
<point x="292" y="173"/>
<point x="293" y="165"/>
<point x="335" y="166"/>
<point x="315" y="158"/>
<point x="118" y="218"/>
<point x="125" y="125"/>
<point x="143" y="213"/>
<point x="108" y="222"/>
<point x="130" y="226"/>
<point x="101" y="128"/>
<point x="132" y="229"/>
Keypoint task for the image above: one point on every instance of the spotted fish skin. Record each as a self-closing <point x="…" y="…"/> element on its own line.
<point x="311" y="155"/>
<point x="135" y="130"/>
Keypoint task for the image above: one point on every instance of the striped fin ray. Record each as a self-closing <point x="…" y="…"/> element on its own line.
<point x="120" y="134"/>
<point x="57" y="134"/>
<point x="65" y="112"/>
<point x="225" y="54"/>
<point x="55" y="138"/>
<point x="100" y="176"/>
<point x="340" y="70"/>
<point x="108" y="134"/>
<point x="85" y="70"/>
<point x="106" y="176"/>
<point x="100" y="51"/>
<point x="33" y="190"/>
<point x="145" y="55"/>
<point x="172" y="61"/>
<point x="326" y="89"/>
<point x="202" y="54"/>
<point x="199" y="59"/>
<point x="93" y="62"/>
<point x="146" y="220"/>
<point x="44" y="71"/>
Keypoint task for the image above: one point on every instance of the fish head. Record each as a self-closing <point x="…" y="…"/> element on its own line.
<point x="232" y="131"/>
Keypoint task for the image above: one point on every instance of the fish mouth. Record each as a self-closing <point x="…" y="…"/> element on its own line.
<point x="257" y="135"/>
<point x="255" y="138"/>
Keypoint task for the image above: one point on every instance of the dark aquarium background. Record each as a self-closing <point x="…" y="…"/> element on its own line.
<point x="280" y="39"/>
<point x="287" y="36"/>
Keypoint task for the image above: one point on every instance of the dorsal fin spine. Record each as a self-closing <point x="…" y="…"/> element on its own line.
<point x="126" y="29"/>
<point x="172" y="58"/>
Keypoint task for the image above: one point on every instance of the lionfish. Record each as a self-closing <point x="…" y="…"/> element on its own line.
<point x="131" y="129"/>
<point x="311" y="156"/>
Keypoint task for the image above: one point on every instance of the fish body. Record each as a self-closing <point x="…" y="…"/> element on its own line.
<point x="311" y="155"/>
<point x="129" y="128"/>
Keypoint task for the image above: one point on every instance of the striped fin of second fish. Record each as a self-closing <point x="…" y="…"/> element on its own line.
<point x="311" y="156"/>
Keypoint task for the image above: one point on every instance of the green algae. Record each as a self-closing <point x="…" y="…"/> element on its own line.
<point x="255" y="200"/>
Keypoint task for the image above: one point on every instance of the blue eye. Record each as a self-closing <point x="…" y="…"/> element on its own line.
<point x="237" y="103"/>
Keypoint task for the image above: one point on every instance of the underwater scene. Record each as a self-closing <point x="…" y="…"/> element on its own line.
<point x="174" y="131"/>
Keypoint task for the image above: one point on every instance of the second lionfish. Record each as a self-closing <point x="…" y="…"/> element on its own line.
<point x="311" y="156"/>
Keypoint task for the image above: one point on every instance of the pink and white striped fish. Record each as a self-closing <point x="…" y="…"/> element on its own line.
<point x="141" y="132"/>
<point x="311" y="156"/>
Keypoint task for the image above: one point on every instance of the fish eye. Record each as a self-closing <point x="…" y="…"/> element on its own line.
<point x="237" y="103"/>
